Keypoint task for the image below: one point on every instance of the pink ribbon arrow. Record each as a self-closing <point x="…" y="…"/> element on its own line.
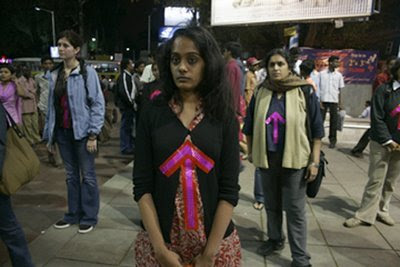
<point x="275" y="118"/>
<point x="394" y="113"/>
<point x="187" y="157"/>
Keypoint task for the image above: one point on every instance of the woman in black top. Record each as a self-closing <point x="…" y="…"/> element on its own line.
<point x="187" y="164"/>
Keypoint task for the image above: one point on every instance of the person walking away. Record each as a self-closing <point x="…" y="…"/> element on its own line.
<point x="185" y="185"/>
<point x="276" y="132"/>
<point x="331" y="83"/>
<point x="384" y="155"/>
<point x="74" y="120"/>
<point x="30" y="116"/>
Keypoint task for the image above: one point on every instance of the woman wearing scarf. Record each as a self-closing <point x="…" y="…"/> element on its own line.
<point x="275" y="127"/>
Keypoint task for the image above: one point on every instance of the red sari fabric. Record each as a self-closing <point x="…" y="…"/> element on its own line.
<point x="189" y="243"/>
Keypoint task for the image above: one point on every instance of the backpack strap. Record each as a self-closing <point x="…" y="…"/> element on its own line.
<point x="84" y="74"/>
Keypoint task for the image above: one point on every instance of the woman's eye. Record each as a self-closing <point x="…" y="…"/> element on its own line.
<point x="192" y="60"/>
<point x="175" y="60"/>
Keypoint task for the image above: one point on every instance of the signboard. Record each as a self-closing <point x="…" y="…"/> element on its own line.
<point x="179" y="16"/>
<point x="234" y="12"/>
<point x="357" y="66"/>
<point x="54" y="52"/>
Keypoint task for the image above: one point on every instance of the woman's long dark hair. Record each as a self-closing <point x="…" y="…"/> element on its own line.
<point x="214" y="90"/>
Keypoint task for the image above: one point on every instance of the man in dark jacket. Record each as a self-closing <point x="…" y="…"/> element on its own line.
<point x="126" y="91"/>
<point x="10" y="231"/>
<point x="384" y="158"/>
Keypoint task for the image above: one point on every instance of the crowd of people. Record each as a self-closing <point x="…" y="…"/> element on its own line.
<point x="172" y="105"/>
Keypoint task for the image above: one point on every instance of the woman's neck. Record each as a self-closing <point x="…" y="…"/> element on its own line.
<point x="190" y="97"/>
<point x="4" y="83"/>
<point x="70" y="63"/>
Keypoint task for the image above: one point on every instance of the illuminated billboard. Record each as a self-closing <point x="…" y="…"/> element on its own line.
<point x="234" y="12"/>
<point x="179" y="16"/>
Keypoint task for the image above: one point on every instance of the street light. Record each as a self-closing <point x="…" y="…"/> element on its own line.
<point x="53" y="24"/>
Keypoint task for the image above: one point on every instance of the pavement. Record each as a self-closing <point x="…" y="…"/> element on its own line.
<point x="329" y="242"/>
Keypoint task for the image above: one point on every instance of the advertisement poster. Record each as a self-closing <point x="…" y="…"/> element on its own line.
<point x="357" y="66"/>
<point x="235" y="12"/>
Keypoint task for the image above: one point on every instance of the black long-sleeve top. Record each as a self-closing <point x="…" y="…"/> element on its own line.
<point x="383" y="124"/>
<point x="160" y="133"/>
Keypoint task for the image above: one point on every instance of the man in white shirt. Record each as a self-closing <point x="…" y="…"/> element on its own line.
<point x="331" y="82"/>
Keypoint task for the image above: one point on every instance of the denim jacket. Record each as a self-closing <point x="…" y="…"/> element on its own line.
<point x="87" y="111"/>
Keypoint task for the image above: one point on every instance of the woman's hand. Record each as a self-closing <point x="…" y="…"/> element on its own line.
<point x="168" y="258"/>
<point x="203" y="261"/>
<point x="312" y="172"/>
<point x="91" y="145"/>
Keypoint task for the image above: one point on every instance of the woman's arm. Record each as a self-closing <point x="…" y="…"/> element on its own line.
<point x="228" y="193"/>
<point x="151" y="223"/>
<point x="222" y="219"/>
<point x="314" y="164"/>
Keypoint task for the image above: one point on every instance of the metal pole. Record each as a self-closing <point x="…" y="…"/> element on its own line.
<point x="148" y="32"/>
<point x="53" y="25"/>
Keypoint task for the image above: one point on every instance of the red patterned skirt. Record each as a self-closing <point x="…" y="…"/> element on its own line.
<point x="188" y="243"/>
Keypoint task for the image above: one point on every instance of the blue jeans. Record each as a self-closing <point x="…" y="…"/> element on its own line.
<point x="12" y="235"/>
<point x="83" y="197"/>
<point x="258" y="187"/>
<point x="126" y="131"/>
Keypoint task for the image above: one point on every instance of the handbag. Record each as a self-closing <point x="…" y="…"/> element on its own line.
<point x="313" y="187"/>
<point x="21" y="164"/>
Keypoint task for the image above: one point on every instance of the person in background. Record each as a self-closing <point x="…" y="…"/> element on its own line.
<point x="186" y="176"/>
<point x="384" y="155"/>
<point x="366" y="114"/>
<point x="278" y="144"/>
<point x="42" y="85"/>
<point x="251" y="80"/>
<point x="306" y="68"/>
<point x="147" y="75"/>
<point x="232" y="51"/>
<point x="385" y="75"/>
<point x="381" y="78"/>
<point x="11" y="92"/>
<point x="126" y="93"/>
<point x="74" y="119"/>
<point x="30" y="118"/>
<point x="295" y="54"/>
<point x="10" y="230"/>
<point x="330" y="85"/>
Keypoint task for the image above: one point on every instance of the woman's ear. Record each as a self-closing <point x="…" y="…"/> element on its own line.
<point x="77" y="50"/>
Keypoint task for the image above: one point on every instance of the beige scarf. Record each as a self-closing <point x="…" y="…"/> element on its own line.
<point x="296" y="152"/>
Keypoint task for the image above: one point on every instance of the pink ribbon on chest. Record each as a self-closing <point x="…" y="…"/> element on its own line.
<point x="394" y="113"/>
<point x="275" y="118"/>
<point x="187" y="157"/>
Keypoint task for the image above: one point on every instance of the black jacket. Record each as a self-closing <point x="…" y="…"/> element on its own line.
<point x="383" y="123"/>
<point x="3" y="134"/>
<point x="160" y="134"/>
<point x="122" y="100"/>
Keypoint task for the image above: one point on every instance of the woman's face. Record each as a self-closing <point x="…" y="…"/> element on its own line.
<point x="187" y="66"/>
<point x="156" y="72"/>
<point x="66" y="50"/>
<point x="278" y="68"/>
<point x="5" y="75"/>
